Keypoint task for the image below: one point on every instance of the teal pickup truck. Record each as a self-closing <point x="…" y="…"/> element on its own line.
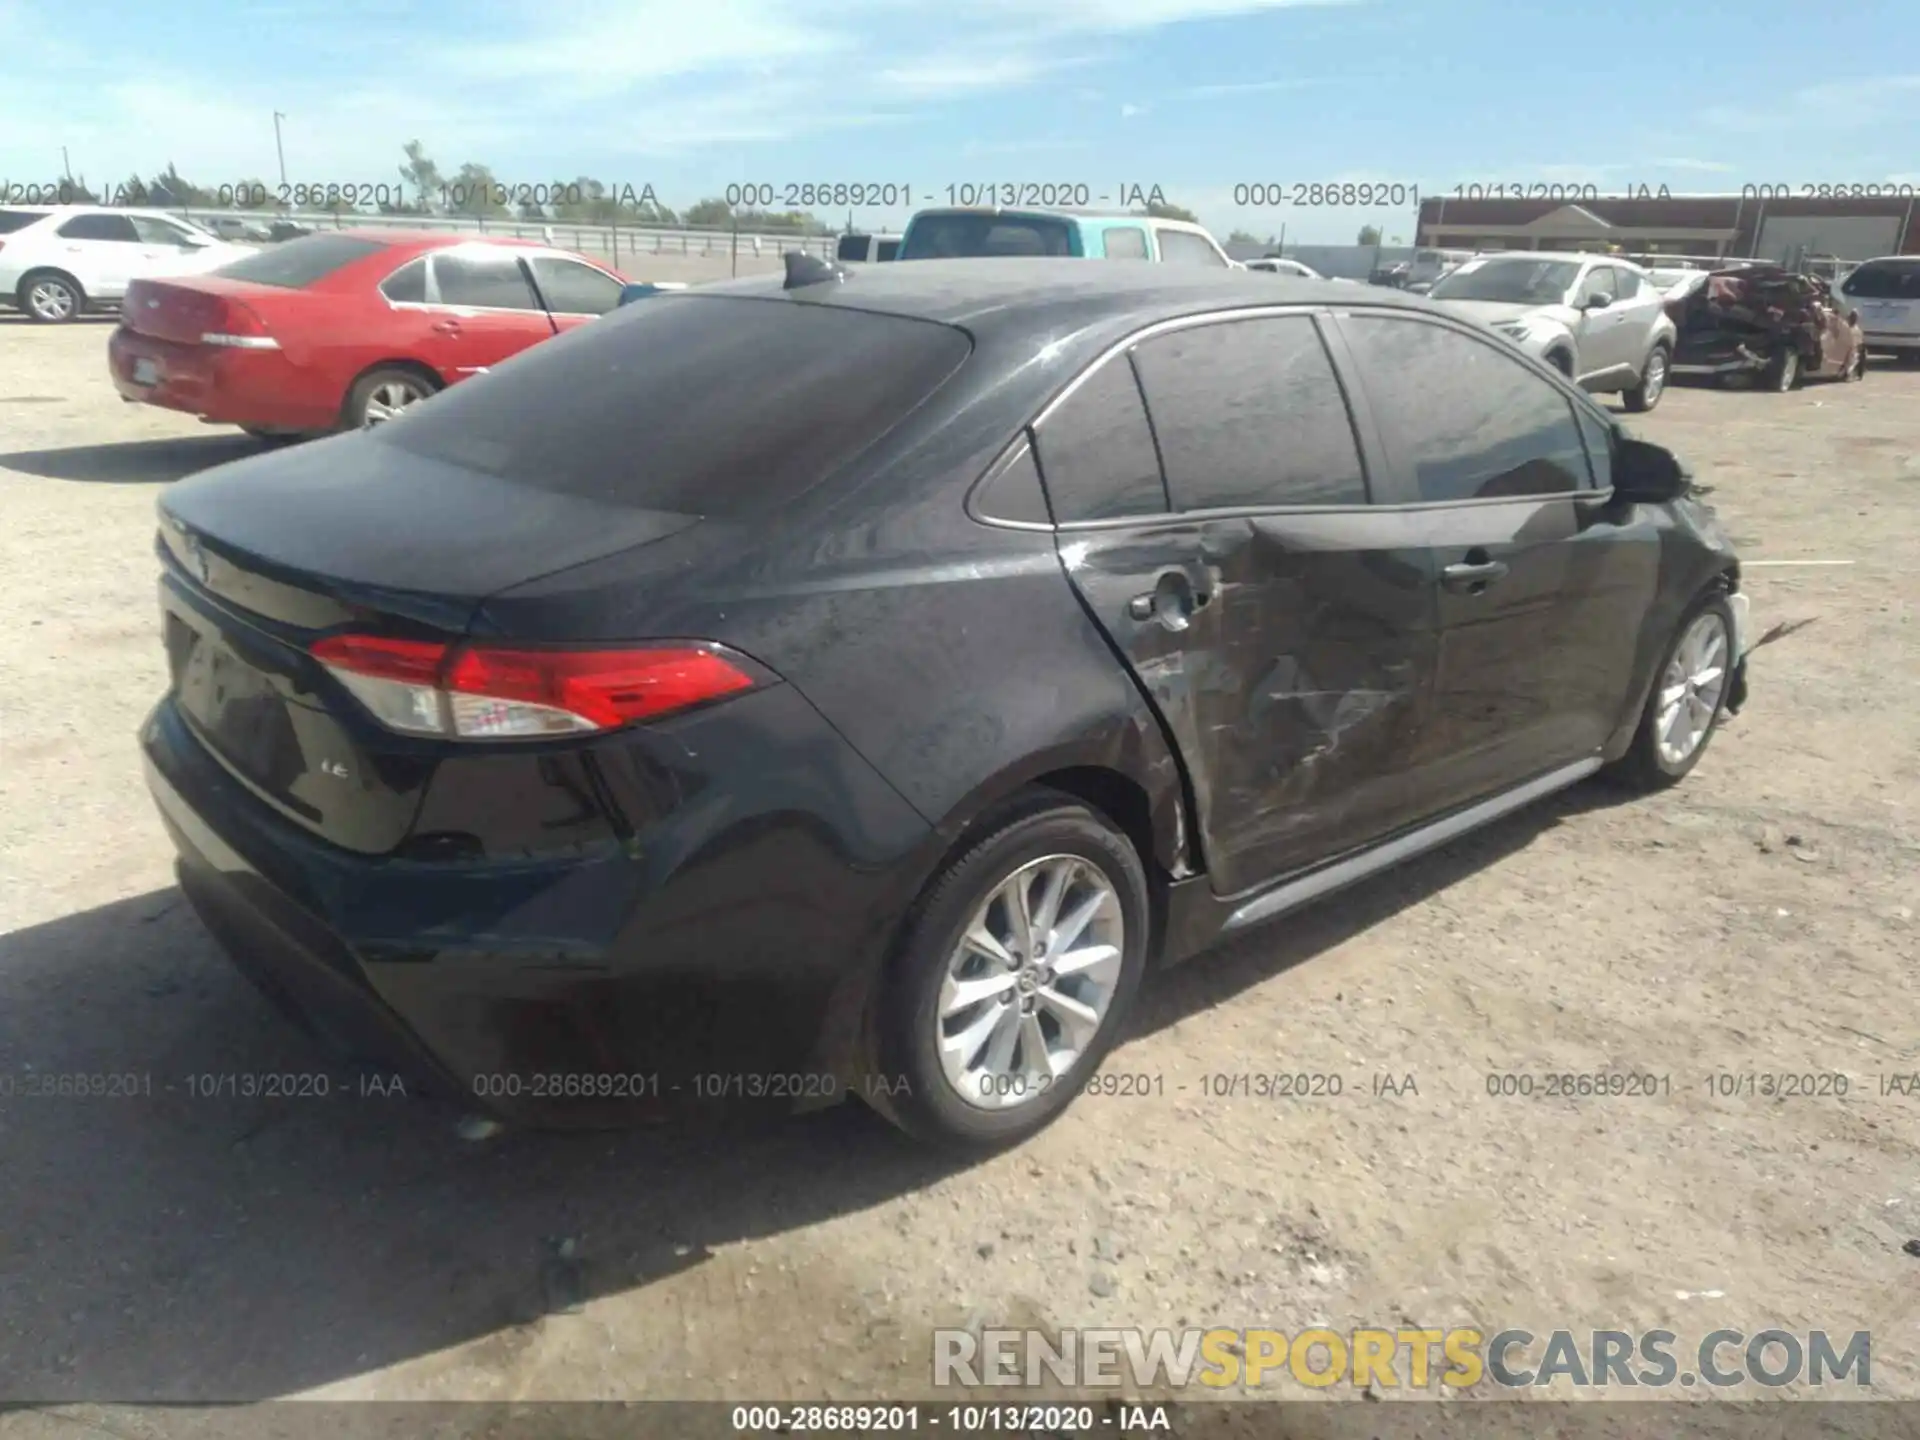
<point x="959" y="233"/>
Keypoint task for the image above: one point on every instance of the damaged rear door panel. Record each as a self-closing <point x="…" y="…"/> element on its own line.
<point x="1282" y="626"/>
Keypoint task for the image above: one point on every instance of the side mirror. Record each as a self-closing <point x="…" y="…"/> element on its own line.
<point x="1643" y="471"/>
<point x="1599" y="300"/>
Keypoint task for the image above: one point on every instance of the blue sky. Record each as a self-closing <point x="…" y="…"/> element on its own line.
<point x="1196" y="96"/>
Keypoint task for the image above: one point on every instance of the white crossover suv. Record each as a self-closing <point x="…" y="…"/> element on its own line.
<point x="59" y="261"/>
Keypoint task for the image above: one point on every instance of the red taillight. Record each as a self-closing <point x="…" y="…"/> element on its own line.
<point x="240" y="328"/>
<point x="483" y="692"/>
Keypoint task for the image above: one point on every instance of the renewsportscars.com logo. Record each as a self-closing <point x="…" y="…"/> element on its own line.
<point x="1397" y="1359"/>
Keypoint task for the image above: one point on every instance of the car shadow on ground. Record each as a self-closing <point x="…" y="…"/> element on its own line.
<point x="170" y="1245"/>
<point x="136" y="462"/>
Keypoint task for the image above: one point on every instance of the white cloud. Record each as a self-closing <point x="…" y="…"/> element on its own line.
<point x="1830" y="105"/>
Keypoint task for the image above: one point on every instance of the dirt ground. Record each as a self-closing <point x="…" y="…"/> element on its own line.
<point x="1759" y="919"/>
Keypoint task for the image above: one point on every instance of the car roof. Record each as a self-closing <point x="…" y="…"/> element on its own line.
<point x="1083" y="217"/>
<point x="1056" y="295"/>
<point x="433" y="239"/>
<point x="1583" y="257"/>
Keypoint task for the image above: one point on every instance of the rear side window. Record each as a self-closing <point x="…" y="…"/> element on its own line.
<point x="1884" y="280"/>
<point x="297" y="264"/>
<point x="889" y="250"/>
<point x="1183" y="247"/>
<point x="483" y="279"/>
<point x="956" y="237"/>
<point x="12" y="220"/>
<point x="1248" y="413"/>
<point x="1467" y="421"/>
<point x="1096" y="450"/>
<point x="852" y="247"/>
<point x="408" y="284"/>
<point x="699" y="405"/>
<point x="99" y="227"/>
<point x="1126" y="242"/>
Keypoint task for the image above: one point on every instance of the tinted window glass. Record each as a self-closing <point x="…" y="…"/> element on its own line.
<point x="1248" y="413"/>
<point x="700" y="405"/>
<point x="155" y="231"/>
<point x="298" y="263"/>
<point x="953" y="237"/>
<point x="1129" y="242"/>
<point x="1884" y="280"/>
<point x="483" y="279"/>
<point x="12" y="220"/>
<point x="99" y="227"/>
<point x="852" y="247"/>
<point x="1014" y="492"/>
<point x="1598" y="432"/>
<point x="889" y="249"/>
<point x="1599" y="280"/>
<point x="1182" y="247"/>
<point x="1468" y="421"/>
<point x="570" y="288"/>
<point x="1096" y="451"/>
<point x="408" y="284"/>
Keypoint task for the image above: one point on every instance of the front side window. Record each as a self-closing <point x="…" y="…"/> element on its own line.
<point x="1466" y="420"/>
<point x="1248" y="413"/>
<point x="572" y="288"/>
<point x="1126" y="242"/>
<point x="1884" y="280"/>
<point x="1599" y="281"/>
<point x="1096" y="450"/>
<point x="1183" y="247"/>
<point x="481" y="279"/>
<point x="154" y="231"/>
<point x="967" y="235"/>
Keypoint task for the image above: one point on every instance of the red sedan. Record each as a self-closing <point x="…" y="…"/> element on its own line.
<point x="345" y="328"/>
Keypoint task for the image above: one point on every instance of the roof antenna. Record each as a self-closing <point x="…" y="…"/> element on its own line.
<point x="804" y="269"/>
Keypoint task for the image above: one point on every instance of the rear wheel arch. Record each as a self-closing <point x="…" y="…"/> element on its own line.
<point x="50" y="272"/>
<point x="424" y="373"/>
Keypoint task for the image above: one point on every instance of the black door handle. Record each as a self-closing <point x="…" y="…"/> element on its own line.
<point x="1473" y="576"/>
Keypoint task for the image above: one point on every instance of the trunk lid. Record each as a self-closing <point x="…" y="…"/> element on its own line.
<point x="262" y="557"/>
<point x="185" y="308"/>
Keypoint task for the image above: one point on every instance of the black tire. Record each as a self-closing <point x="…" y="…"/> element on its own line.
<point x="1032" y="826"/>
<point x="1783" y="371"/>
<point x="1644" y="767"/>
<point x="272" y="435"/>
<point x="1653" y="383"/>
<point x="56" y="283"/>
<point x="353" y="415"/>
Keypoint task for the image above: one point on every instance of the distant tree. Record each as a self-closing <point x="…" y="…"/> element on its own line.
<point x="74" y="187"/>
<point x="712" y="212"/>
<point x="1369" y="235"/>
<point x="423" y="175"/>
<point x="1242" y="237"/>
<point x="174" y="191"/>
<point x="253" y="194"/>
<point x="1159" y="211"/>
<point x="474" y="191"/>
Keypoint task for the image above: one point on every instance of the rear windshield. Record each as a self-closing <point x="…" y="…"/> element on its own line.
<point x="12" y="220"/>
<point x="701" y="405"/>
<point x="295" y="264"/>
<point x="956" y="237"/>
<point x="1885" y="280"/>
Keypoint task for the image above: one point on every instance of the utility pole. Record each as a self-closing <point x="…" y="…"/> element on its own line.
<point x="278" y="148"/>
<point x="66" y="166"/>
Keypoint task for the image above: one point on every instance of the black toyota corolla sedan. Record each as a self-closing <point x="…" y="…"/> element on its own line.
<point x="850" y="684"/>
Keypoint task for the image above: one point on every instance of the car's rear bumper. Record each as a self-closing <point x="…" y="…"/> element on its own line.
<point x="578" y="990"/>
<point x="261" y="388"/>
<point x="1892" y="340"/>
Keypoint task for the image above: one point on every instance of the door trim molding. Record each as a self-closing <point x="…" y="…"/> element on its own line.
<point x="1291" y="894"/>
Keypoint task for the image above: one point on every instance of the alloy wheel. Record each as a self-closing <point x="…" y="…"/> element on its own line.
<point x="1030" y="983"/>
<point x="50" y="300"/>
<point x="388" y="399"/>
<point x="1691" y="687"/>
<point x="1655" y="380"/>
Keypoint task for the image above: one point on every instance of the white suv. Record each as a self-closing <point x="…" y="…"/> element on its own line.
<point x="56" y="262"/>
<point x="1886" y="292"/>
<point x="1598" y="319"/>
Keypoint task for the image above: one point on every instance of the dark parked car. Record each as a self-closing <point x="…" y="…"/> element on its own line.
<point x="854" y="687"/>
